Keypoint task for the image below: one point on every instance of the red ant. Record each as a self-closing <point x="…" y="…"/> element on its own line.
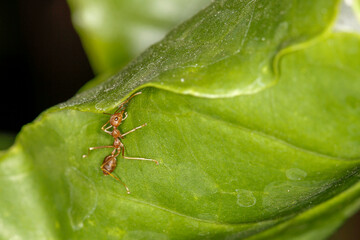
<point x="109" y="163"/>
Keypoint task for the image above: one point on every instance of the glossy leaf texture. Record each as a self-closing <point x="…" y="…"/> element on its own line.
<point x="238" y="159"/>
<point x="113" y="32"/>
<point x="237" y="43"/>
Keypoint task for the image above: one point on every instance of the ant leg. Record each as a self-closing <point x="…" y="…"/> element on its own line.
<point x="103" y="127"/>
<point x="106" y="130"/>
<point x="126" y="115"/>
<point x="133" y="130"/>
<point x="137" y="158"/>
<point x="118" y="153"/>
<point x="142" y="159"/>
<point x="114" y="154"/>
<point x="127" y="189"/>
<point x="94" y="148"/>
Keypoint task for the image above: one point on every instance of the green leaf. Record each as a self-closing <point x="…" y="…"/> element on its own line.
<point x="228" y="49"/>
<point x="356" y="6"/>
<point x="113" y="32"/>
<point x="279" y="162"/>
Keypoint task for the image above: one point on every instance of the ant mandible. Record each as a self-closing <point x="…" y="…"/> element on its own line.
<point x="109" y="163"/>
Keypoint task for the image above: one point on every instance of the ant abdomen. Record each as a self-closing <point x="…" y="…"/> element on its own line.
<point x="109" y="165"/>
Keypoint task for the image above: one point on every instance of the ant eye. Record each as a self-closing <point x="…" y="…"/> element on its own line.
<point x="116" y="119"/>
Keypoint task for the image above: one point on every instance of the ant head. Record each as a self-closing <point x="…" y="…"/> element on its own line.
<point x="116" y="119"/>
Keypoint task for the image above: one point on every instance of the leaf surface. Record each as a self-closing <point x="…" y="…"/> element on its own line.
<point x="228" y="49"/>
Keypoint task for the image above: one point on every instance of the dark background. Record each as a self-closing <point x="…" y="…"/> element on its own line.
<point x="42" y="63"/>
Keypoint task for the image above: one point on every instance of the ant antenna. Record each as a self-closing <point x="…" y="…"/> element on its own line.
<point x="126" y="101"/>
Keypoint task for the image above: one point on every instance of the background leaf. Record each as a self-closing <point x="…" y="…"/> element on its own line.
<point x="113" y="32"/>
<point x="356" y="6"/>
<point x="282" y="162"/>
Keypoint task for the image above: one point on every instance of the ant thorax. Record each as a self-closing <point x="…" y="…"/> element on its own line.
<point x="115" y="133"/>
